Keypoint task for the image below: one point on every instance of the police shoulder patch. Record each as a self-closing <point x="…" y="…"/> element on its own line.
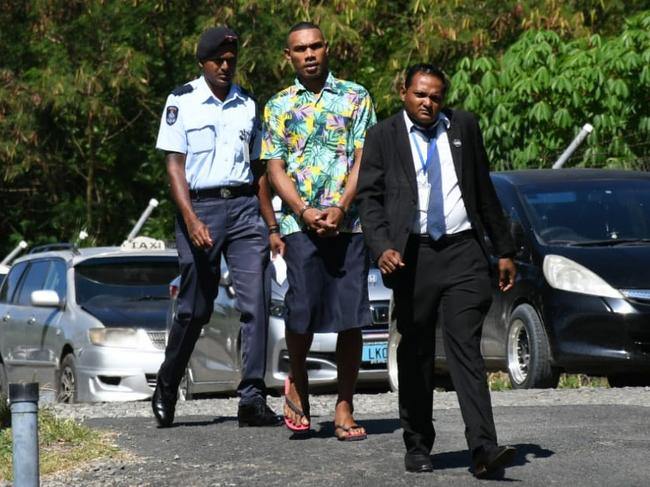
<point x="183" y="90"/>
<point x="171" y="115"/>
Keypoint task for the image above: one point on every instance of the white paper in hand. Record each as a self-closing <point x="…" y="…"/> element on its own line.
<point x="280" y="274"/>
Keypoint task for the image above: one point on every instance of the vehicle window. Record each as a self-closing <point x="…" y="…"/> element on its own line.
<point x="56" y="278"/>
<point x="33" y="281"/>
<point x="102" y="280"/>
<point x="11" y="282"/>
<point x="590" y="211"/>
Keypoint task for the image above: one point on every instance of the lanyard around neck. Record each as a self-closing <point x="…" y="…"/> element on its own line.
<point x="432" y="147"/>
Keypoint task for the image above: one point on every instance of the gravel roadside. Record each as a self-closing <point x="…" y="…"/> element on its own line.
<point x="380" y="403"/>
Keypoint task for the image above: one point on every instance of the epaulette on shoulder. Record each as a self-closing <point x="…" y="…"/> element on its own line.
<point x="183" y="90"/>
<point x="249" y="94"/>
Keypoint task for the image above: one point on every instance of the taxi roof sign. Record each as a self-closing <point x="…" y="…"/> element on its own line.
<point x="143" y="243"/>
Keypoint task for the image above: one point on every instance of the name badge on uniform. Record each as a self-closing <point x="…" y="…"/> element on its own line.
<point x="456" y="142"/>
<point x="171" y="115"/>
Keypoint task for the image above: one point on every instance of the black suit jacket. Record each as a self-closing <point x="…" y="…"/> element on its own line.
<point x="387" y="188"/>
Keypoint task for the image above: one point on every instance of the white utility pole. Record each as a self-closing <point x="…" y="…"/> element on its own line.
<point x="586" y="130"/>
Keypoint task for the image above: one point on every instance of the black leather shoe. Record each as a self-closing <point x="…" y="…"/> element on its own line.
<point x="487" y="462"/>
<point x="418" y="462"/>
<point x="163" y="407"/>
<point x="257" y="413"/>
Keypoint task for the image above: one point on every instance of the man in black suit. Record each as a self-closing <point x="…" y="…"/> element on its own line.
<point x="426" y="201"/>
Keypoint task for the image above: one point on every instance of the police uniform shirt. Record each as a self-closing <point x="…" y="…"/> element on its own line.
<point x="219" y="138"/>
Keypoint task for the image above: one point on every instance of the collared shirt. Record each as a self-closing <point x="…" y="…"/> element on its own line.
<point x="219" y="138"/>
<point x="316" y="136"/>
<point x="456" y="219"/>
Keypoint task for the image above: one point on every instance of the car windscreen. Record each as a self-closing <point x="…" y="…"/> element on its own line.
<point x="596" y="212"/>
<point x="126" y="291"/>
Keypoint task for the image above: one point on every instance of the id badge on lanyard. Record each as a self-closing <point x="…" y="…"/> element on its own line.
<point x="424" y="190"/>
<point x="424" y="186"/>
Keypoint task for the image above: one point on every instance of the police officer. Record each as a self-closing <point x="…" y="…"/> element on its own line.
<point x="210" y="133"/>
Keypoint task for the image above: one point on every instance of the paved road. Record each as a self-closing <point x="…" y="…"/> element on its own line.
<point x="565" y="438"/>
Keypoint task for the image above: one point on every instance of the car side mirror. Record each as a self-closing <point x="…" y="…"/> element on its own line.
<point x="46" y="298"/>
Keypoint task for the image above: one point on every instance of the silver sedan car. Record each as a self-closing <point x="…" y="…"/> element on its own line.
<point x="215" y="363"/>
<point x="87" y="324"/>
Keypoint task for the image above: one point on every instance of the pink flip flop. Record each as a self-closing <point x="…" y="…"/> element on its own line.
<point x="299" y="427"/>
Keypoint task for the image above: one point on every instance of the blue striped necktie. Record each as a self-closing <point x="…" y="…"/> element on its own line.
<point x="436" y="211"/>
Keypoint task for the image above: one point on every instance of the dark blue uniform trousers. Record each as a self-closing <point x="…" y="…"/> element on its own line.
<point x="238" y="232"/>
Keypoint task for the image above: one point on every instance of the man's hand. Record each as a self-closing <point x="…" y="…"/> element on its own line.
<point x="507" y="273"/>
<point x="313" y="218"/>
<point x="389" y="261"/>
<point x="199" y="233"/>
<point x="277" y="244"/>
<point x="332" y="220"/>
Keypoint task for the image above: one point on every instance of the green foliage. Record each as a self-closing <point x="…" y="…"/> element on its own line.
<point x="83" y="82"/>
<point x="499" y="381"/>
<point x="534" y="97"/>
<point x="52" y="429"/>
<point x="5" y="412"/>
<point x="63" y="443"/>
<point x="576" y="381"/>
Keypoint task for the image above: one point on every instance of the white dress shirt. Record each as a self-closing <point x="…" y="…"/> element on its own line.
<point x="456" y="219"/>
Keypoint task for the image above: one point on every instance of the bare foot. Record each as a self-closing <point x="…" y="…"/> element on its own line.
<point x="298" y="414"/>
<point x="345" y="427"/>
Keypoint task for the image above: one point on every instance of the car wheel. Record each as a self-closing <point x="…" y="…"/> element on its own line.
<point x="628" y="380"/>
<point x="185" y="387"/>
<point x="394" y="338"/>
<point x="67" y="383"/>
<point x="528" y="351"/>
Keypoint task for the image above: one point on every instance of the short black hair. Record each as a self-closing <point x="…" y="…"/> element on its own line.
<point x="426" y="68"/>
<point x="303" y="26"/>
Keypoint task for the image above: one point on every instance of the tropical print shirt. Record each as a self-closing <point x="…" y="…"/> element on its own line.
<point x="316" y="135"/>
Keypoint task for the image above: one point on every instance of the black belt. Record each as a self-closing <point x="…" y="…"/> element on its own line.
<point x="223" y="192"/>
<point x="445" y="240"/>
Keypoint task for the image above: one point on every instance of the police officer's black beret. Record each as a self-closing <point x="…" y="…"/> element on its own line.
<point x="212" y="39"/>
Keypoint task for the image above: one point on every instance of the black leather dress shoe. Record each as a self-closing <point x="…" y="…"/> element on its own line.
<point x="487" y="462"/>
<point x="257" y="413"/>
<point x="417" y="462"/>
<point x="163" y="407"/>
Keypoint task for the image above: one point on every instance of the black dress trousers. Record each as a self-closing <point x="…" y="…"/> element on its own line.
<point x="447" y="278"/>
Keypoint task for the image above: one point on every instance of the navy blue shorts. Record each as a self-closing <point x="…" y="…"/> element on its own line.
<point x="328" y="283"/>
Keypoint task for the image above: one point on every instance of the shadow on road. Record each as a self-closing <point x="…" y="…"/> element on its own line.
<point x="325" y="429"/>
<point x="205" y="422"/>
<point x="525" y="449"/>
<point x="461" y="458"/>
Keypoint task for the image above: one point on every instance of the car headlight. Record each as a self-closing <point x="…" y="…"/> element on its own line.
<point x="277" y="308"/>
<point x="119" y="337"/>
<point x="567" y="275"/>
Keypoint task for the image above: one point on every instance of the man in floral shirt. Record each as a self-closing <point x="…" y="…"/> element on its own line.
<point x="313" y="135"/>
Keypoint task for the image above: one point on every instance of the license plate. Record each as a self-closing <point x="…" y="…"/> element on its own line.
<point x="375" y="353"/>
